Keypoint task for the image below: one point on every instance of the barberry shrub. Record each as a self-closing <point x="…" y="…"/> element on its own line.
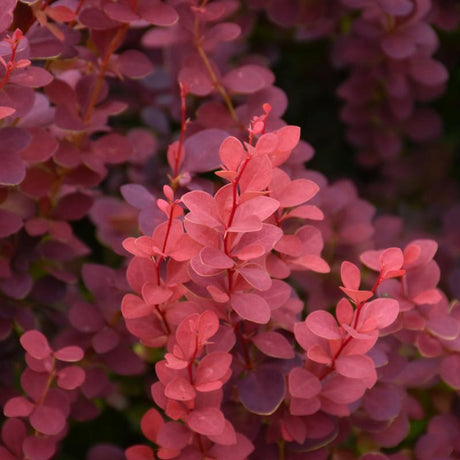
<point x="176" y="283"/>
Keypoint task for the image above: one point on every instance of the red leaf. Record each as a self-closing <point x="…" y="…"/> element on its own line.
<point x="251" y="307"/>
<point x="36" y="344"/>
<point x="323" y="324"/>
<point x="303" y="384"/>
<point x="208" y="421"/>
<point x="274" y="344"/>
<point x="151" y="422"/>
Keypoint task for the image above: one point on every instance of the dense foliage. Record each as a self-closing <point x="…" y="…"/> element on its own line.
<point x="177" y="281"/>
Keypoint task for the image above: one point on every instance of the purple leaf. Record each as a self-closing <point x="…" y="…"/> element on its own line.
<point x="202" y="150"/>
<point x="10" y="223"/>
<point x="13" y="140"/>
<point x="262" y="391"/>
<point x="382" y="403"/>
<point x="450" y="371"/>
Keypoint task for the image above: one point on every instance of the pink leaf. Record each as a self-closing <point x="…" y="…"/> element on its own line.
<point x="303" y="384"/>
<point x="215" y="258"/>
<point x="296" y="192"/>
<point x="212" y="367"/>
<point x="48" y="420"/>
<point x="251" y="307"/>
<point x="134" y="307"/>
<point x="428" y="71"/>
<point x="151" y="422"/>
<point x="155" y="295"/>
<point x="231" y="153"/>
<point x="256" y="276"/>
<point x="203" y="208"/>
<point x="32" y="77"/>
<point x="383" y="311"/>
<point x="18" y="406"/>
<point x="39" y="448"/>
<point x="71" y="353"/>
<point x="6" y="112"/>
<point x="173" y="435"/>
<point x="323" y="324"/>
<point x="357" y="367"/>
<point x="450" y="371"/>
<point x="36" y="344"/>
<point x="429" y="297"/>
<point x="248" y="79"/>
<point x="10" y="223"/>
<point x="208" y="421"/>
<point x="342" y="390"/>
<point x="350" y="274"/>
<point x="180" y="389"/>
<point x="273" y="344"/>
<point x="134" y="64"/>
<point x="318" y="354"/>
<point x="70" y="377"/>
<point x="139" y="452"/>
<point x="157" y="13"/>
